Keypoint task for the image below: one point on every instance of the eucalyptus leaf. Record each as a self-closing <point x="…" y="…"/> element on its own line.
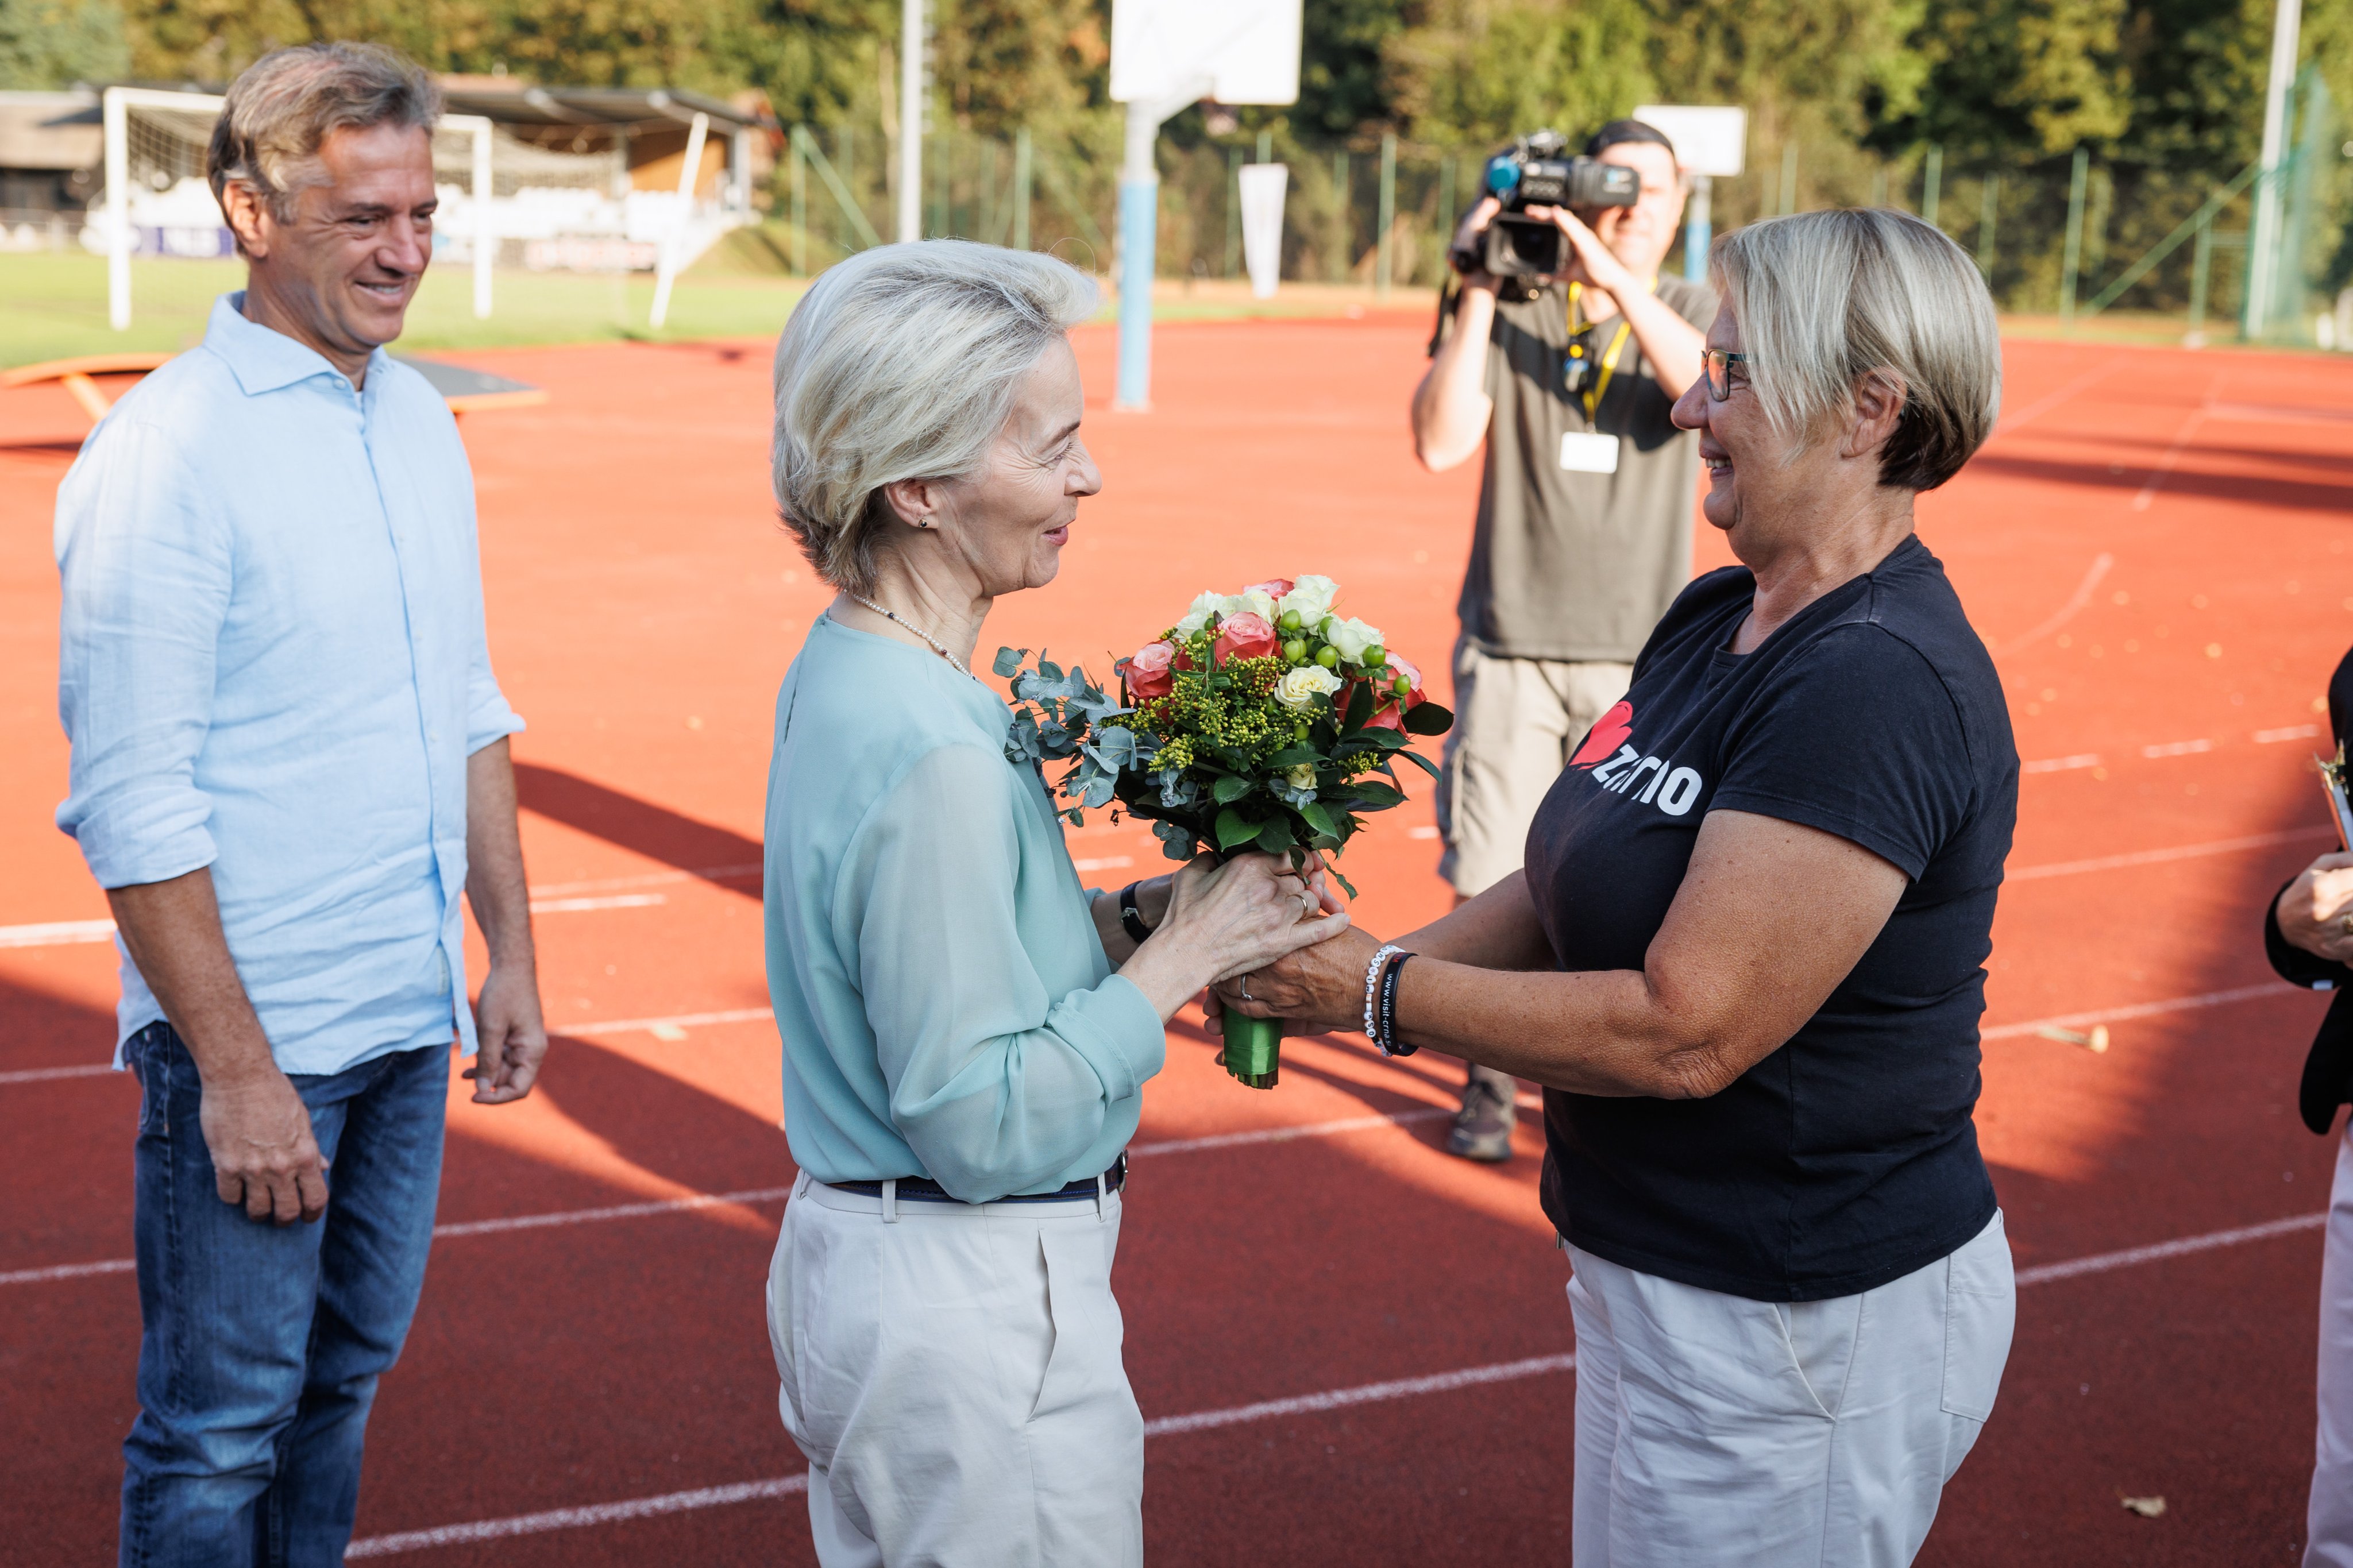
<point x="1008" y="659"/>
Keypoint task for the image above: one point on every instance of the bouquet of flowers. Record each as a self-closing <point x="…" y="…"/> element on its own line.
<point x="1259" y="721"/>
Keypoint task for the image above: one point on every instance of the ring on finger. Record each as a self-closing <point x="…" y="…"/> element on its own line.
<point x="2345" y="924"/>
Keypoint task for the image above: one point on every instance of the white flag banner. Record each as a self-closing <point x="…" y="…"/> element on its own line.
<point x="1263" y="185"/>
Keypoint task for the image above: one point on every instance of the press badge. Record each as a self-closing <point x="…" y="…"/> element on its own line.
<point x="1588" y="452"/>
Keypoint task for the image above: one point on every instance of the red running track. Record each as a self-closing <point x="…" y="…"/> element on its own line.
<point x="2156" y="546"/>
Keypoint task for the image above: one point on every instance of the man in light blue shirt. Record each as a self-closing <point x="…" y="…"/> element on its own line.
<point x="290" y="756"/>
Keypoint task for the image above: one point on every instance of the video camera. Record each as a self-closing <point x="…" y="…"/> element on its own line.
<point x="1536" y="171"/>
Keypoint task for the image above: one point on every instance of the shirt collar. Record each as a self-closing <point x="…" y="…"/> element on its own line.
<point x="263" y="359"/>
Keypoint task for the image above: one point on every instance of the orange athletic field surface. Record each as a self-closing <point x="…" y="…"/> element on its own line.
<point x="1352" y="1349"/>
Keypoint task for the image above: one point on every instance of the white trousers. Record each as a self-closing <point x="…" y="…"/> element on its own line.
<point x="1712" y="1429"/>
<point x="2328" y="1522"/>
<point x="953" y="1373"/>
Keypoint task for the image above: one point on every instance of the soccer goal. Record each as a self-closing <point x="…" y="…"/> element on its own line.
<point x="157" y="203"/>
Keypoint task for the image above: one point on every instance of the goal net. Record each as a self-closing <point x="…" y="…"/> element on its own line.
<point x="504" y="202"/>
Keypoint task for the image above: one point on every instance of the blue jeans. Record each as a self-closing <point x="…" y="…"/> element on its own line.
<point x="263" y="1343"/>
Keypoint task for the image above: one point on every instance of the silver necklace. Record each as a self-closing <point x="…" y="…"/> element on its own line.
<point x="919" y="631"/>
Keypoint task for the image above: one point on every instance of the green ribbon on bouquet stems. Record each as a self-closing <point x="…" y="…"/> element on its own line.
<point x="1253" y="1049"/>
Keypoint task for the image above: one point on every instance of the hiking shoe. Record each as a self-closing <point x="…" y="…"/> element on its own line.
<point x="1482" y="1127"/>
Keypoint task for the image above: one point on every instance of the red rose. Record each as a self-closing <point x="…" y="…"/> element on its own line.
<point x="1274" y="588"/>
<point x="1246" y="635"/>
<point x="1388" y="708"/>
<point x="1147" y="671"/>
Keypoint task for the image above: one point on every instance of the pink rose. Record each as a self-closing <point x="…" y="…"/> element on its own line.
<point x="1148" y="673"/>
<point x="1274" y="588"/>
<point x="1416" y="697"/>
<point x="1246" y="635"/>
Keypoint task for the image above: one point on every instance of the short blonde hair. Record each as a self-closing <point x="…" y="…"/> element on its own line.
<point x="1826" y="298"/>
<point x="901" y="363"/>
<point x="285" y="104"/>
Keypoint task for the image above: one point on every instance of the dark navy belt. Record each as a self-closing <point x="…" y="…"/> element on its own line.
<point x="922" y="1189"/>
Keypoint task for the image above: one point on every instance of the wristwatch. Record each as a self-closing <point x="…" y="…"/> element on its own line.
<point x="1131" y="919"/>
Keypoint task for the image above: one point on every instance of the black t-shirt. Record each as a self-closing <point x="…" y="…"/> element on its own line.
<point x="1847" y="1158"/>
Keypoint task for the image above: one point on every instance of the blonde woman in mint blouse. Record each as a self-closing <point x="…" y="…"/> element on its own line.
<point x="966" y="1031"/>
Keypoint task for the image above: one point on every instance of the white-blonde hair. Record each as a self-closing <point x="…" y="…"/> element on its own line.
<point x="902" y="362"/>
<point x="1825" y="299"/>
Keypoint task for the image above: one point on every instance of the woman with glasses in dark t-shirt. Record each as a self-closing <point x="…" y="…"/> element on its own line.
<point x="1746" y="953"/>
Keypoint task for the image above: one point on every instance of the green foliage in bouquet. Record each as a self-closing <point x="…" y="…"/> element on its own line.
<point x="1260" y="720"/>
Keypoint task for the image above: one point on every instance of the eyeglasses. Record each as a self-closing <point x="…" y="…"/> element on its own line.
<point x="1719" y="362"/>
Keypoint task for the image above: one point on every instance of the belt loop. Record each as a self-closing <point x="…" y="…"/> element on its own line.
<point x="890" y="1200"/>
<point x="801" y="1183"/>
<point x="1099" y="1189"/>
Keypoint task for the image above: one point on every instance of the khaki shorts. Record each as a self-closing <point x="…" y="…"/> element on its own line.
<point x="1516" y="723"/>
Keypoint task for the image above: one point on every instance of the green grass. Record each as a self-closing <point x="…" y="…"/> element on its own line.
<point x="57" y="307"/>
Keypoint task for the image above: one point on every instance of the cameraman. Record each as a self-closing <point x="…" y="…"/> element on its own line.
<point x="1584" y="513"/>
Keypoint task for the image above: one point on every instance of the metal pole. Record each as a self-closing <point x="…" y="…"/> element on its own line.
<point x="1266" y="146"/>
<point x="1139" y="236"/>
<point x="1699" y="228"/>
<point x="672" y="243"/>
<point x="2201" y="279"/>
<point x="118" y="210"/>
<point x="800" y="203"/>
<point x="1989" y="209"/>
<point x="913" y="41"/>
<point x="1341" y="226"/>
<point x="1931" y="185"/>
<point x="486" y="239"/>
<point x="2263" y="233"/>
<point x="1021" y="189"/>
<point x="1382" y="260"/>
<point x="2074" y="251"/>
<point x="1233" y="210"/>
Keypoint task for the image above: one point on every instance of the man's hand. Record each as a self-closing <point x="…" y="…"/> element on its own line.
<point x="1597" y="264"/>
<point x="264" y="1156"/>
<point x="1470" y="240"/>
<point x="513" y="1038"/>
<point x="2313" y="909"/>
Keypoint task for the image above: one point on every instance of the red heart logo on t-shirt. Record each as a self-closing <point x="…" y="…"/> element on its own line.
<point x="1607" y="737"/>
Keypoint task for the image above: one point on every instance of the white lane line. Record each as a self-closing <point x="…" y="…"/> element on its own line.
<point x="2178" y="749"/>
<point x="1103" y="863"/>
<point x="68" y="933"/>
<point x="1245" y="1414"/>
<point x="2144" y="1009"/>
<point x="606" y="902"/>
<point x="2290" y="732"/>
<point x="1364" y="1393"/>
<point x="655" y="1025"/>
<point x="2165" y="463"/>
<point x="2181" y="1247"/>
<point x="1285" y="1134"/>
<point x="2179" y="852"/>
<point x="2011" y="424"/>
<point x="576" y="1518"/>
<point x="2061" y="765"/>
<point x="777" y="1195"/>
<point x="67" y="1271"/>
<point x="43" y="1075"/>
<point x="651" y="879"/>
<point x="2066" y="612"/>
<point x="57" y="933"/>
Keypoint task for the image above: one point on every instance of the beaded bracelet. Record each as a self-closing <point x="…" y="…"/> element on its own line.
<point x="1387" y="1016"/>
<point x="1372" y="985"/>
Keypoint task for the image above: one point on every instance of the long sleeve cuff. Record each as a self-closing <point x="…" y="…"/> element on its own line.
<point x="2295" y="965"/>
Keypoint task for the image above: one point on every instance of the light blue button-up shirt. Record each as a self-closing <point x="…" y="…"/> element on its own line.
<point x="272" y="663"/>
<point x="946" y="1005"/>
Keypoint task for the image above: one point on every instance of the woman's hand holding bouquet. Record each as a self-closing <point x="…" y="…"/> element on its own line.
<point x="1259" y="721"/>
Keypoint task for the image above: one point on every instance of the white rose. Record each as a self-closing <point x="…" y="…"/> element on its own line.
<point x="1352" y="638"/>
<point x="1303" y="776"/>
<point x="1298" y="687"/>
<point x="1311" y="596"/>
<point x="1205" y="605"/>
<point x="1248" y="602"/>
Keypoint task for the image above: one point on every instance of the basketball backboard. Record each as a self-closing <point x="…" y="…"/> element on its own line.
<point x="1709" y="138"/>
<point x="1235" y="51"/>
